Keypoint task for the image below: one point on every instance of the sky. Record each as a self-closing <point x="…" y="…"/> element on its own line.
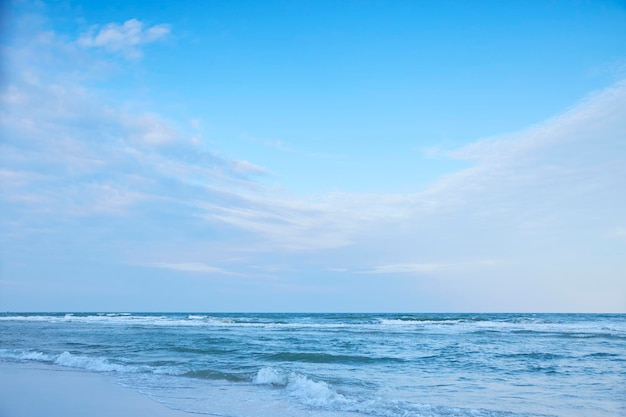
<point x="313" y="156"/>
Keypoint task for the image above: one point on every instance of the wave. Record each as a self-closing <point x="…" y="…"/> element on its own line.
<point x="548" y="325"/>
<point x="67" y="359"/>
<point x="96" y="364"/>
<point x="430" y="319"/>
<point x="320" y="395"/>
<point x="217" y="375"/>
<point x="305" y="390"/>
<point x="105" y="365"/>
<point x="316" y="320"/>
<point x="313" y="357"/>
<point x="602" y="355"/>
<point x="25" y="356"/>
<point x="203" y="351"/>
<point x="122" y="318"/>
<point x="174" y="320"/>
<point x="543" y="356"/>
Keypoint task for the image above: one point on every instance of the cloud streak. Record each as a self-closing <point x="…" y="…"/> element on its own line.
<point x="426" y="268"/>
<point x="192" y="267"/>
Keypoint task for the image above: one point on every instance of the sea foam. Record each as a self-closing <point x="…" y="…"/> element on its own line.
<point x="21" y="355"/>
<point x="304" y="389"/>
<point x="89" y="363"/>
<point x="321" y="396"/>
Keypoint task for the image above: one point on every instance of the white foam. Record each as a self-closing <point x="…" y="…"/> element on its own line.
<point x="313" y="393"/>
<point x="305" y="390"/>
<point x="460" y="325"/>
<point x="21" y="355"/>
<point x="96" y="364"/>
<point x="89" y="363"/>
<point x="325" y="400"/>
<point x="406" y="322"/>
<point x="529" y="324"/>
<point x="129" y="319"/>
<point x="270" y="376"/>
<point x="192" y="320"/>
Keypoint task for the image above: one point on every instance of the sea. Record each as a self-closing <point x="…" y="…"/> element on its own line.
<point x="341" y="365"/>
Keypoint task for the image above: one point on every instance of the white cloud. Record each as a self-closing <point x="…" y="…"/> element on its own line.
<point x="424" y="268"/>
<point x="404" y="268"/>
<point x="601" y="112"/>
<point x="125" y="38"/>
<point x="555" y="177"/>
<point x="110" y="198"/>
<point x="518" y="180"/>
<point x="246" y="168"/>
<point x="571" y="162"/>
<point x="67" y="151"/>
<point x="149" y="129"/>
<point x="281" y="225"/>
<point x="194" y="267"/>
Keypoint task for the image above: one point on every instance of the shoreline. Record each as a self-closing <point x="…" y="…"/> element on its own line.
<point x="35" y="390"/>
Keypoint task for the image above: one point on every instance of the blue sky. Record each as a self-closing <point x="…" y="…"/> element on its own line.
<point x="313" y="156"/>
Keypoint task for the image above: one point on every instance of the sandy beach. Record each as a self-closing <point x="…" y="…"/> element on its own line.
<point x="28" y="390"/>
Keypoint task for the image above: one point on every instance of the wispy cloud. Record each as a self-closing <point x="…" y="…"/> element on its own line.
<point x="67" y="152"/>
<point x="425" y="268"/>
<point x="149" y="129"/>
<point x="596" y="113"/>
<point x="572" y="157"/>
<point x="405" y="268"/>
<point x="62" y="135"/>
<point x="124" y="38"/>
<point x="550" y="177"/>
<point x="193" y="267"/>
<point x="136" y="181"/>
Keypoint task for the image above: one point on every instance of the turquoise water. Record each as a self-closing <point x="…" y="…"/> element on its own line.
<point x="334" y="365"/>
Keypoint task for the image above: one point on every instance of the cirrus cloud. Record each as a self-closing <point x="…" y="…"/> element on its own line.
<point x="125" y="38"/>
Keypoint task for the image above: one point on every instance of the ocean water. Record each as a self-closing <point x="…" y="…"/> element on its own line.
<point x="331" y="365"/>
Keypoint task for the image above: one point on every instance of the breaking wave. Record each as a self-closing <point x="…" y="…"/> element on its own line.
<point x="320" y="395"/>
<point x="69" y="360"/>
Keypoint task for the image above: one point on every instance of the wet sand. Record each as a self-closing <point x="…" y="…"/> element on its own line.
<point x="28" y="390"/>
